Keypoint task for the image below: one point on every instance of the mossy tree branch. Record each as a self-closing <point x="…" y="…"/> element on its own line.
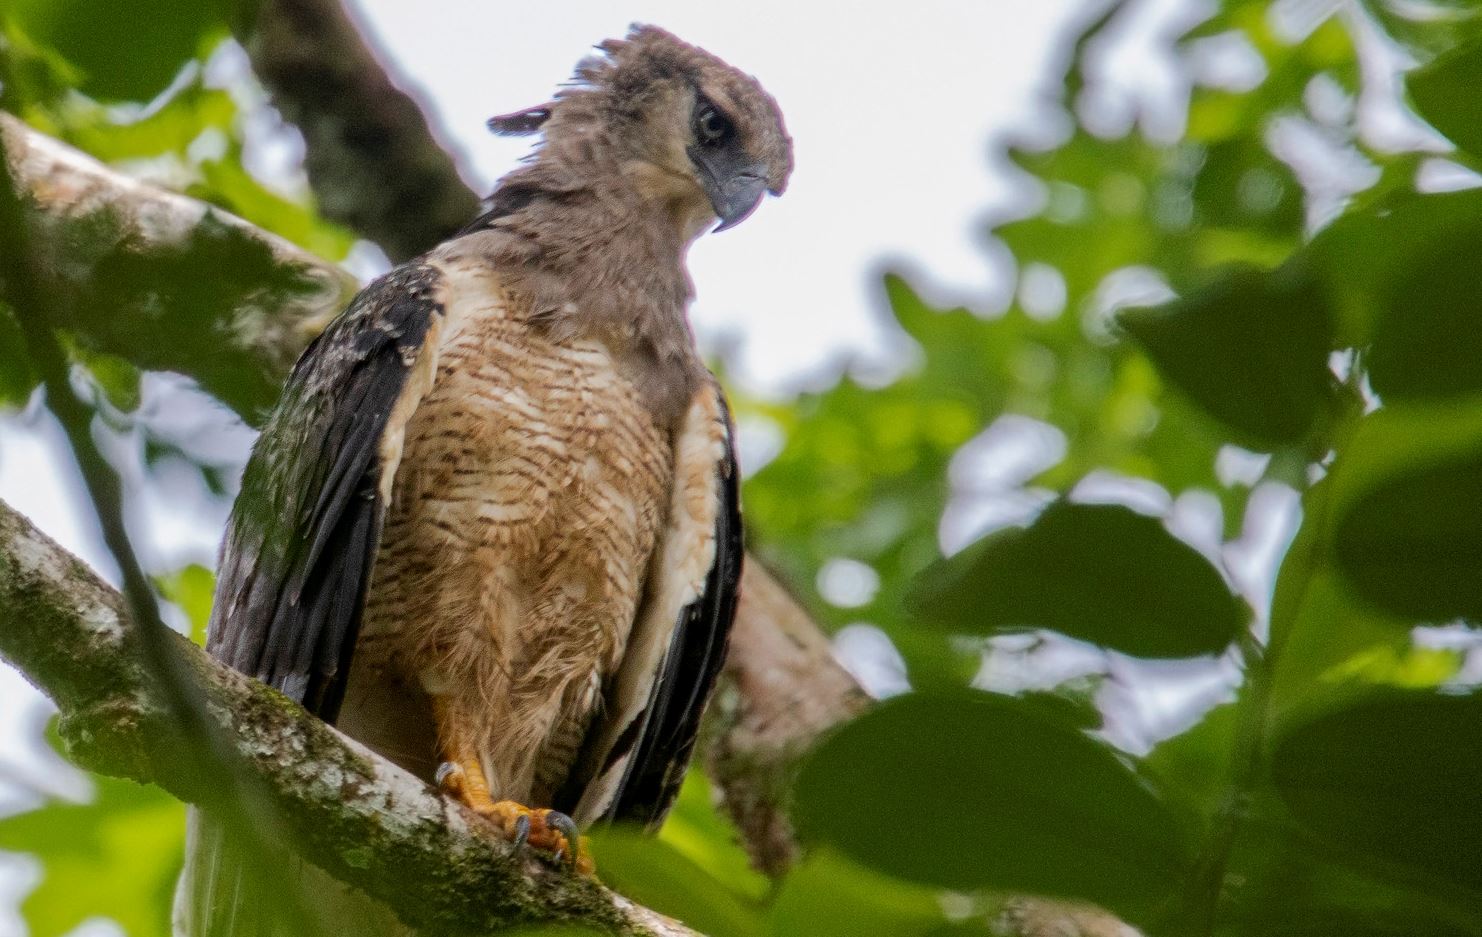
<point x="101" y="238"/>
<point x="351" y="812"/>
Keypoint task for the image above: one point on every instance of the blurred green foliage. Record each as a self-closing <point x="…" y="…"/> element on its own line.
<point x="1038" y="807"/>
<point x="1253" y="266"/>
<point x="116" y="857"/>
<point x="85" y="35"/>
<point x="1095" y="572"/>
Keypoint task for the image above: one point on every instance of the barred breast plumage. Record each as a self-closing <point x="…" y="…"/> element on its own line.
<point x="532" y="485"/>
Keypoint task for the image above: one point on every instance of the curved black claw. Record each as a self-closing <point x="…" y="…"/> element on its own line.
<point x="448" y="775"/>
<point x="566" y="826"/>
<point x="522" y="830"/>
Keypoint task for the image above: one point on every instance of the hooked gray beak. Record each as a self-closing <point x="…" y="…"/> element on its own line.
<point x="735" y="185"/>
<point x="738" y="198"/>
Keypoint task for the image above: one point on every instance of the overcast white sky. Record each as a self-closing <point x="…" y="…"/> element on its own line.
<point x="891" y="108"/>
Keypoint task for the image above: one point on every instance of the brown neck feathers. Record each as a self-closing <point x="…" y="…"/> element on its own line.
<point x="586" y="252"/>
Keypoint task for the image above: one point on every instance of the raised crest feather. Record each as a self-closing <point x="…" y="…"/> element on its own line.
<point x="521" y="123"/>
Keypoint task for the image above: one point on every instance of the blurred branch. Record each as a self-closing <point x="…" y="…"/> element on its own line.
<point x="71" y="192"/>
<point x="369" y="151"/>
<point x="434" y="863"/>
<point x="1042" y="917"/>
<point x="784" y="690"/>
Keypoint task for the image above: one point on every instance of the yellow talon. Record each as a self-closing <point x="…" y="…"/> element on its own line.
<point x="543" y="829"/>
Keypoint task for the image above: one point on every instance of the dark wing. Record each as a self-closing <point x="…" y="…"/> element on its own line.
<point x="304" y="531"/>
<point x="635" y="760"/>
<point x="690" y="671"/>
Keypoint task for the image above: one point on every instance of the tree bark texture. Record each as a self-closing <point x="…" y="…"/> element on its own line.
<point x="369" y="151"/>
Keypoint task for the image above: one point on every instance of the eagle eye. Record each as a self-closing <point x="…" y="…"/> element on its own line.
<point x="712" y="128"/>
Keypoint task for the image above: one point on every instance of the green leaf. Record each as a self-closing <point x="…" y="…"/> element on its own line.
<point x="1394" y="777"/>
<point x="125" y="49"/>
<point x="1367" y="257"/>
<point x="974" y="791"/>
<point x="1251" y="348"/>
<point x="116" y="857"/>
<point x="1445" y="93"/>
<point x="1284" y="881"/>
<point x="171" y="128"/>
<point x="1407" y="510"/>
<point x="192" y="588"/>
<point x="655" y="874"/>
<point x="829" y="896"/>
<point x="1194" y="767"/>
<point x="1340" y="921"/>
<point x="1327" y="642"/>
<point x="1402" y="272"/>
<point x="117" y="378"/>
<point x="701" y="833"/>
<point x="1426" y="341"/>
<point x="16" y="377"/>
<point x="1339" y="644"/>
<point x="1101" y="573"/>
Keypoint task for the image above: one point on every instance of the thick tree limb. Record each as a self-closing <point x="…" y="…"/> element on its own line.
<point x="369" y="152"/>
<point x="68" y="185"/>
<point x="363" y="819"/>
<point x="80" y="201"/>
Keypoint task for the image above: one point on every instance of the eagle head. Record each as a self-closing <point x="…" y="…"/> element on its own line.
<point x="687" y="130"/>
